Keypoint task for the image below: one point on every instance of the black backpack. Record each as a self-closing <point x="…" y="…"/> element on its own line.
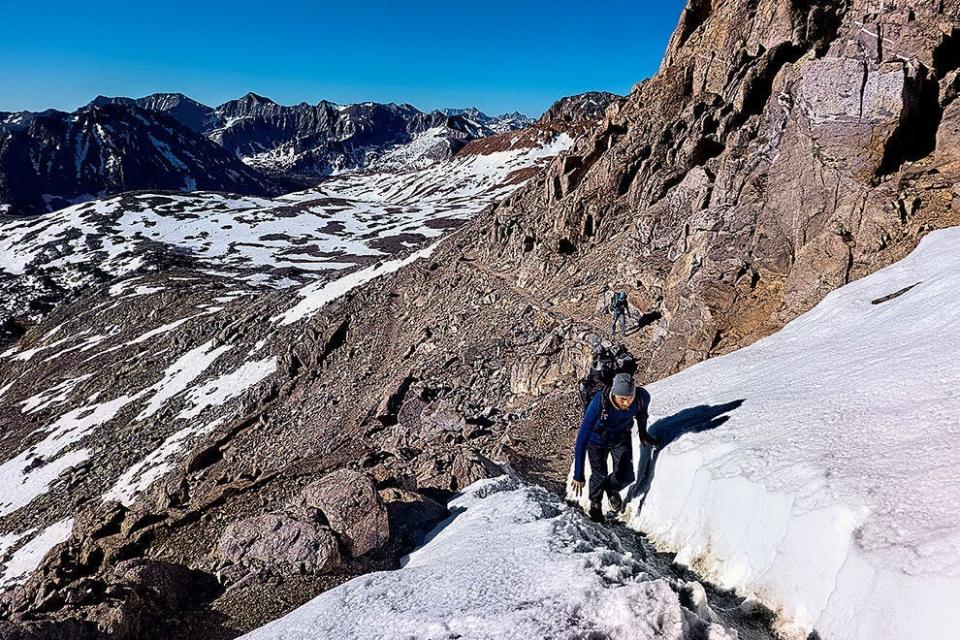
<point x="606" y="363"/>
<point x="618" y="303"/>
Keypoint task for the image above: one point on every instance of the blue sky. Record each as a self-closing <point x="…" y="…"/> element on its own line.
<point x="496" y="55"/>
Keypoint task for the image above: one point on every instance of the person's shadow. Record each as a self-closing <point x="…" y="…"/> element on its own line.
<point x="667" y="430"/>
<point x="644" y="320"/>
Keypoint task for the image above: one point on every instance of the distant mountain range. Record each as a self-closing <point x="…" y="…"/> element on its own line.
<point x="250" y="146"/>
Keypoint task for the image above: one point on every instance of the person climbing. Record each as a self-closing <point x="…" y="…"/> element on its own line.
<point x="619" y="308"/>
<point x="605" y="432"/>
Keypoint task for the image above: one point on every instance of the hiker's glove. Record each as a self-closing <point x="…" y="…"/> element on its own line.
<point x="577" y="486"/>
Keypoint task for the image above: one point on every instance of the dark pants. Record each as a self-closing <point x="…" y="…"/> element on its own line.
<point x="601" y="479"/>
<point x="621" y="319"/>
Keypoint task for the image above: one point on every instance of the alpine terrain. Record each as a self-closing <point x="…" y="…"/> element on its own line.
<point x="250" y="146"/>
<point x="348" y="408"/>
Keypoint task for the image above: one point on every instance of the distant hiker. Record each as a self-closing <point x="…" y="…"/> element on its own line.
<point x="619" y="308"/>
<point x="605" y="432"/>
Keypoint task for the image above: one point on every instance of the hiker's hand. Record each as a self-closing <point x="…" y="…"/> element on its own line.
<point x="577" y="486"/>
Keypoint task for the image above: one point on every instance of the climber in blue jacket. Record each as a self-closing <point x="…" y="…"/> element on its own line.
<point x="605" y="432"/>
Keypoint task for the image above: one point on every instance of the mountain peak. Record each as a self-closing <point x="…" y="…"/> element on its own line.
<point x="256" y="98"/>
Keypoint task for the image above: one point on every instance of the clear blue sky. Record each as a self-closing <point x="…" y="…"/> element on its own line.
<point x="496" y="55"/>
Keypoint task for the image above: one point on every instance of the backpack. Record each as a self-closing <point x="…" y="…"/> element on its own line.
<point x="606" y="363"/>
<point x="618" y="302"/>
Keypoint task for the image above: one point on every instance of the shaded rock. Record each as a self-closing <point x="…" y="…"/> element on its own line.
<point x="411" y="515"/>
<point x="47" y="630"/>
<point x="279" y="540"/>
<point x="173" y="585"/>
<point x="351" y="504"/>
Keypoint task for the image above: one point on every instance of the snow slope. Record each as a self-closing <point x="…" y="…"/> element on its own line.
<point x="831" y="492"/>
<point x="514" y="563"/>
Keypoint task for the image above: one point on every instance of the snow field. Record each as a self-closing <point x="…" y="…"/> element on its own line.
<point x="831" y="493"/>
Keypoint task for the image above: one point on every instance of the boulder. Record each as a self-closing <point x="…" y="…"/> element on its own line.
<point x="353" y="508"/>
<point x="281" y="541"/>
<point x="454" y="470"/>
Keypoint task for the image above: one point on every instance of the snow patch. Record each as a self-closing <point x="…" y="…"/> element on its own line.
<point x="515" y="563"/>
<point x="53" y="396"/>
<point x="140" y="476"/>
<point x="318" y="294"/>
<point x="30" y="473"/>
<point x="180" y="374"/>
<point x="227" y="386"/>
<point x="27" y="558"/>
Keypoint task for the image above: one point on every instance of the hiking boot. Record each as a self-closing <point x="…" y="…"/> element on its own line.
<point x="616" y="502"/>
<point x="596" y="512"/>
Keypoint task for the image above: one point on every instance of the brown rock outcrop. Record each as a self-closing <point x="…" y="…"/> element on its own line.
<point x="350" y="503"/>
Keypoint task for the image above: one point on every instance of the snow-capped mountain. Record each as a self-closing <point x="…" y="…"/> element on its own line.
<point x="53" y="159"/>
<point x="310" y="141"/>
<point x="498" y="124"/>
<point x="187" y="111"/>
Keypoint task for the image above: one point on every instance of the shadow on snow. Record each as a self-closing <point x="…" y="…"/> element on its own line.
<point x="667" y="430"/>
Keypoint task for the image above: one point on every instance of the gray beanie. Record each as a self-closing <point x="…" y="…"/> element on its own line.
<point x="623" y="385"/>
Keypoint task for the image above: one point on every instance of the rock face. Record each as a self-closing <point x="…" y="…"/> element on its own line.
<point x="731" y="192"/>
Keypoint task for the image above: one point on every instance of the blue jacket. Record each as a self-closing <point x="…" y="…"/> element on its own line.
<point x="597" y="432"/>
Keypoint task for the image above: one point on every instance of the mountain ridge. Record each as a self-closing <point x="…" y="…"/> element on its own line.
<point x="275" y="148"/>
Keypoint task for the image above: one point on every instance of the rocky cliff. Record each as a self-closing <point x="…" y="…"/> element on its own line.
<point x="782" y="150"/>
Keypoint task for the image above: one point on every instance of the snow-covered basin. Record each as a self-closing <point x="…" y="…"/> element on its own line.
<point x="832" y="493"/>
<point x="513" y="563"/>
